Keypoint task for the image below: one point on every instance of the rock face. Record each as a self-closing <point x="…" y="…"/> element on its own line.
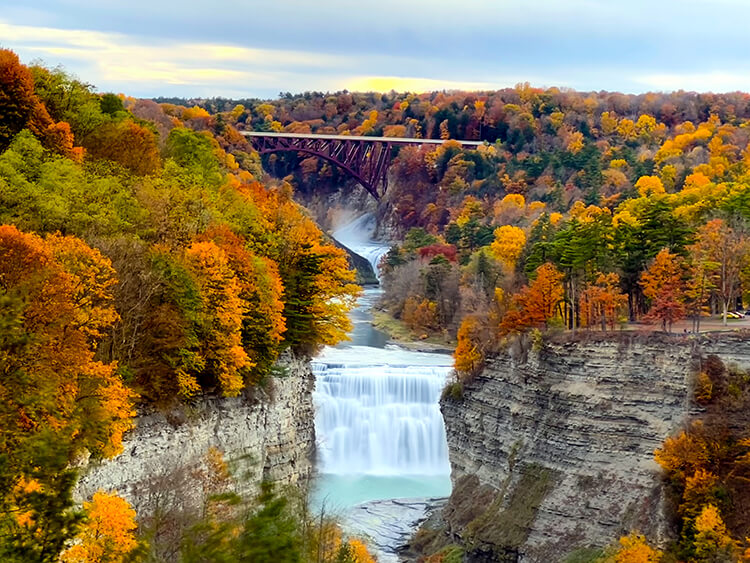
<point x="166" y="459"/>
<point x="552" y="445"/>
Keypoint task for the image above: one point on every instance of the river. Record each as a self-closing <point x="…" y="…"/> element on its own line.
<point x="380" y="434"/>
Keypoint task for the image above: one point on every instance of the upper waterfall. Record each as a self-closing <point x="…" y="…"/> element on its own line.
<point x="358" y="237"/>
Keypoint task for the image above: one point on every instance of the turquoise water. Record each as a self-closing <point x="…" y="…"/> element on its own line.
<point x="379" y="428"/>
<point x="336" y="493"/>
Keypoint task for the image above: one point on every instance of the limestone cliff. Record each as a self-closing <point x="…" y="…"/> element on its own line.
<point x="552" y="445"/>
<point x="267" y="436"/>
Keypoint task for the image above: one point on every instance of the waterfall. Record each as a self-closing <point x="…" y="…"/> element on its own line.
<point x="357" y="236"/>
<point x="377" y="419"/>
<point x="380" y="418"/>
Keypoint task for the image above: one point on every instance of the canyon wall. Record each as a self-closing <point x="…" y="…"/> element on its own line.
<point x="266" y="435"/>
<point x="552" y="445"/>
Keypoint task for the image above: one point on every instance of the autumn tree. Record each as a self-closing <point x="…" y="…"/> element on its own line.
<point x="724" y="251"/>
<point x="535" y="305"/>
<point x="127" y="143"/>
<point x="107" y="534"/>
<point x="57" y="400"/>
<point x="663" y="285"/>
<point x="508" y="245"/>
<point x="712" y="542"/>
<point x="18" y="103"/>
<point x="318" y="284"/>
<point x="220" y="320"/>
<point x="602" y="301"/>
<point x="261" y="288"/>
<point x="21" y="108"/>
<point x="471" y="347"/>
<point x="634" y="549"/>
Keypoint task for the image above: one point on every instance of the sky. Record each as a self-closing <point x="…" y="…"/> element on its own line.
<point x="258" y="48"/>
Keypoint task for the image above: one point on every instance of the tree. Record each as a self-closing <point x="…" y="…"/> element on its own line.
<point x="724" y="252"/>
<point x="107" y="534"/>
<point x="56" y="400"/>
<point x="602" y="301"/>
<point x="537" y="304"/>
<point x="93" y="281"/>
<point x="469" y="354"/>
<point x="133" y="146"/>
<point x="21" y="108"/>
<point x="663" y="285"/>
<point x="220" y="324"/>
<point x="634" y="549"/>
<point x="507" y="247"/>
<point x="18" y="103"/>
<point x="261" y="288"/>
<point x="712" y="542"/>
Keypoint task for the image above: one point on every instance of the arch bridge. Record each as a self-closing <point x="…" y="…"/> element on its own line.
<point x="366" y="159"/>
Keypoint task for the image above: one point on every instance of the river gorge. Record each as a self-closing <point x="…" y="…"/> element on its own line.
<point x="548" y="450"/>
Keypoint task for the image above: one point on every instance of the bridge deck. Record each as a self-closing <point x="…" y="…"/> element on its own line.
<point x="401" y="140"/>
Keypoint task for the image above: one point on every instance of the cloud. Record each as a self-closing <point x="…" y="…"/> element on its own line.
<point x="715" y="81"/>
<point x="116" y="58"/>
<point x="242" y="48"/>
<point x="413" y="84"/>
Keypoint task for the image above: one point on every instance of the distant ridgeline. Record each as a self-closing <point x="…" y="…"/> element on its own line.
<point x="141" y="259"/>
<point x="589" y="187"/>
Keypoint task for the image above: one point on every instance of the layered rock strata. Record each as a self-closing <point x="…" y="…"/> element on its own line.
<point x="552" y="445"/>
<point x="170" y="457"/>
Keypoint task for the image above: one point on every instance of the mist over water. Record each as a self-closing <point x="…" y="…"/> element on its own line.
<point x="378" y="424"/>
<point x="358" y="236"/>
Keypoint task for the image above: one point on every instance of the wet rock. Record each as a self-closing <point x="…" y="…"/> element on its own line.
<point x="389" y="524"/>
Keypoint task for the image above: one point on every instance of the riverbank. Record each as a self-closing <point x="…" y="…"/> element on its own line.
<point x="398" y="333"/>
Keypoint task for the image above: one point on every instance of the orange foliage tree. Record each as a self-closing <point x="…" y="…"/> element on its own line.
<point x="21" y="108"/>
<point x="536" y="304"/>
<point x="221" y="316"/>
<point x="663" y="285"/>
<point x="133" y="146"/>
<point x="318" y="283"/>
<point x="261" y="288"/>
<point x="108" y="533"/>
<point x="56" y="400"/>
<point x="65" y="388"/>
<point x="602" y="301"/>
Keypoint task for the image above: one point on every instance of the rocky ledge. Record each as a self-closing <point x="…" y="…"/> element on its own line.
<point x="552" y="445"/>
<point x="266" y="435"/>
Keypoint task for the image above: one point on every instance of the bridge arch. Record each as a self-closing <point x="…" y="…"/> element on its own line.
<point x="366" y="159"/>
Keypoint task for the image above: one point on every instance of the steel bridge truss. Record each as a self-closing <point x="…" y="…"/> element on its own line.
<point x="366" y="161"/>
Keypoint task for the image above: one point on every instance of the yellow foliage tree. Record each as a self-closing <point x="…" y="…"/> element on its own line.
<point x="711" y="539"/>
<point x="108" y="534"/>
<point x="635" y="549"/>
<point x="223" y="310"/>
<point x="508" y="245"/>
<point x="649" y="185"/>
<point x="468" y="355"/>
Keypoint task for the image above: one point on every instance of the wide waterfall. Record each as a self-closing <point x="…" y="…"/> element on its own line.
<point x="378" y="423"/>
<point x="375" y="416"/>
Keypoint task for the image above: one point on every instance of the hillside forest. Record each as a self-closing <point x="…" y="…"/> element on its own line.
<point x="142" y="262"/>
